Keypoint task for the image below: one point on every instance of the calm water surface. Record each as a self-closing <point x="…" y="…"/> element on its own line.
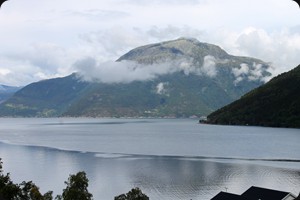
<point x="166" y="158"/>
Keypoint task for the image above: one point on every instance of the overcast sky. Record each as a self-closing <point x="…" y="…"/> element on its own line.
<point x="44" y="38"/>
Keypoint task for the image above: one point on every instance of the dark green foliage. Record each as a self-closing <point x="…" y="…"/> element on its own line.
<point x="48" y="195"/>
<point x="77" y="188"/>
<point x="275" y="104"/>
<point x="29" y="191"/>
<point x="134" y="194"/>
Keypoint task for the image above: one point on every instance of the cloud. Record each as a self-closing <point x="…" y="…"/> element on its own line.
<point x="36" y="62"/>
<point x="161" y="88"/>
<point x="121" y="72"/>
<point x="243" y="70"/>
<point x="281" y="48"/>
<point x="209" y="66"/>
<point x="115" y="41"/>
<point x="250" y="73"/>
<point x="127" y="71"/>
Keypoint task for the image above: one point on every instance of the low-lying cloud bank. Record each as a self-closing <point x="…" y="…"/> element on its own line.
<point x="127" y="71"/>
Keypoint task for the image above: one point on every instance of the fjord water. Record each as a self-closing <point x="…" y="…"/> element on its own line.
<point x="166" y="158"/>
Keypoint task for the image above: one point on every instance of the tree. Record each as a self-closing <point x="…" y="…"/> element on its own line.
<point x="8" y="190"/>
<point x="48" y="195"/>
<point x="134" y="194"/>
<point x="77" y="188"/>
<point x="29" y="191"/>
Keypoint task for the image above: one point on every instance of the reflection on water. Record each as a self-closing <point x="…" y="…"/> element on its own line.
<point x="159" y="177"/>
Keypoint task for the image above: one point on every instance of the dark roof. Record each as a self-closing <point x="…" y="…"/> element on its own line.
<point x="256" y="193"/>
<point x="227" y="196"/>
<point x="1" y="197"/>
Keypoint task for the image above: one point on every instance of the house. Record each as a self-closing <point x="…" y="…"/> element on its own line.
<point x="227" y="196"/>
<point x="256" y="193"/>
<point x="266" y="194"/>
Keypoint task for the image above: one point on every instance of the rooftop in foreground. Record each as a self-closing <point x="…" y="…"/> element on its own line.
<point x="256" y="193"/>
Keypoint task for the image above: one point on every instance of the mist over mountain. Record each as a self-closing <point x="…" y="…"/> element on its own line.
<point x="277" y="104"/>
<point x="185" y="55"/>
<point x="178" y="78"/>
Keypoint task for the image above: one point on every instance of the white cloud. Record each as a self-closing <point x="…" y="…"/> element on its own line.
<point x="161" y="88"/>
<point x="209" y="66"/>
<point x="243" y="70"/>
<point x="252" y="73"/>
<point x="122" y="72"/>
<point x="4" y="72"/>
<point x="127" y="71"/>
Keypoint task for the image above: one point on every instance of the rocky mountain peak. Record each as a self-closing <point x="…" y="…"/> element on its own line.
<point x="174" y="49"/>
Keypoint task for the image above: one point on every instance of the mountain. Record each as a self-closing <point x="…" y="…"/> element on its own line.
<point x="275" y="104"/>
<point x="171" y="50"/>
<point x="7" y="91"/>
<point x="47" y="98"/>
<point x="187" y="78"/>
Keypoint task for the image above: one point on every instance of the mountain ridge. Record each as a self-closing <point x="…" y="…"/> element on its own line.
<point x="198" y="79"/>
<point x="179" y="47"/>
<point x="7" y="91"/>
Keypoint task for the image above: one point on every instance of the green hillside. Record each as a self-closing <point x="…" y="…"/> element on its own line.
<point x="7" y="91"/>
<point x="47" y="98"/>
<point x="275" y="104"/>
<point x="184" y="96"/>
